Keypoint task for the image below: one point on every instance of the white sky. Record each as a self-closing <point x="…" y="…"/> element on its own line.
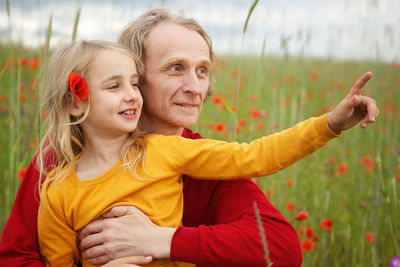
<point x="340" y="29"/>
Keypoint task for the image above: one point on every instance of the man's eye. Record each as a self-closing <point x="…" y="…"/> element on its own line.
<point x="202" y="72"/>
<point x="175" y="68"/>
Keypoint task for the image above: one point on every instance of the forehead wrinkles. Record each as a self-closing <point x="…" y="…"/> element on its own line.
<point x="179" y="40"/>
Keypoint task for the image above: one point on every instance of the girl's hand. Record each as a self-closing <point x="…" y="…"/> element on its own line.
<point x="354" y="108"/>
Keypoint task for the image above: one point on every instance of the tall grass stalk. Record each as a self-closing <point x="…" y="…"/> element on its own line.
<point x="240" y="64"/>
<point x="262" y="235"/>
<point x="76" y="23"/>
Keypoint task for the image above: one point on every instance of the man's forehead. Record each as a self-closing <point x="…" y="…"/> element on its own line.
<point x="174" y="34"/>
<point x="175" y="42"/>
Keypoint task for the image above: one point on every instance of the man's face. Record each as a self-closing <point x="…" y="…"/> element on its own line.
<point x="177" y="69"/>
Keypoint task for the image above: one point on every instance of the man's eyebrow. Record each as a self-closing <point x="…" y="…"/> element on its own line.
<point x="207" y="62"/>
<point x="175" y="59"/>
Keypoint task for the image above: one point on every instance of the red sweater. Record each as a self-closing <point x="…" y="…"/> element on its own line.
<point x="219" y="225"/>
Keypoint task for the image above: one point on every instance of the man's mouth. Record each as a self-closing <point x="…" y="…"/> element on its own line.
<point x="186" y="105"/>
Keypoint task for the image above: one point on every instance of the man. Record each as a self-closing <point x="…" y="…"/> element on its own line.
<point x="219" y="226"/>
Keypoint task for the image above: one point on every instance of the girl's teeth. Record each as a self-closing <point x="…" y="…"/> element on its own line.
<point x="129" y="112"/>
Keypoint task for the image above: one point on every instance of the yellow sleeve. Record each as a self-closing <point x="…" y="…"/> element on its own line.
<point x="57" y="241"/>
<point x="218" y="160"/>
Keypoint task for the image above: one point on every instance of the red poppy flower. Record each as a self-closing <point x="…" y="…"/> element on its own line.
<point x="254" y="113"/>
<point x="310" y="232"/>
<point x="302" y="215"/>
<point x="234" y="73"/>
<point x="22" y="87"/>
<point x="314" y="76"/>
<point x="327" y="224"/>
<point x="3" y="98"/>
<point x="242" y="122"/>
<point x="217" y="100"/>
<point x="331" y="160"/>
<point x="35" y="64"/>
<point x="342" y="168"/>
<point x="219" y="127"/>
<point x="259" y="126"/>
<point x="24" y="62"/>
<point x="370" y="237"/>
<point x="290" y="206"/>
<point x="366" y="160"/>
<point x="340" y="86"/>
<point x="307" y="245"/>
<point x="22" y="98"/>
<point x="22" y="173"/>
<point x="78" y="86"/>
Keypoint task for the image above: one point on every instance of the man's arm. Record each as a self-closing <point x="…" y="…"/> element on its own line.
<point x="19" y="241"/>
<point x="229" y="233"/>
<point x="223" y="230"/>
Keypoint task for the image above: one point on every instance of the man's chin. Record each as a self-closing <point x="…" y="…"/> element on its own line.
<point x="186" y="122"/>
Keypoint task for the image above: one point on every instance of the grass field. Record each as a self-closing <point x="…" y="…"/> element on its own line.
<point x="343" y="200"/>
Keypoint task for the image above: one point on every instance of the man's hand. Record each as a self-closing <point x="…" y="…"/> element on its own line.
<point x="124" y="231"/>
<point x="131" y="261"/>
<point x="354" y="108"/>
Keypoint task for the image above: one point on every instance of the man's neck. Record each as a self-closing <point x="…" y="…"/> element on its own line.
<point x="149" y="126"/>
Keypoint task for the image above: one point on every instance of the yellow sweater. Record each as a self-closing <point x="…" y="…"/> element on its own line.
<point x="69" y="205"/>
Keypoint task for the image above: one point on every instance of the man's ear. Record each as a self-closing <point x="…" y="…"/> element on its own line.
<point x="76" y="109"/>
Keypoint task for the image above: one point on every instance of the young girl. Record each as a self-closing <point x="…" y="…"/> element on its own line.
<point x="93" y="104"/>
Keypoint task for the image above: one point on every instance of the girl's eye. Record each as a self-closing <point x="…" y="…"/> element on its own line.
<point x="135" y="85"/>
<point x="113" y="86"/>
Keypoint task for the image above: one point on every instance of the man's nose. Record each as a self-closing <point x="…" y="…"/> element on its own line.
<point x="192" y="84"/>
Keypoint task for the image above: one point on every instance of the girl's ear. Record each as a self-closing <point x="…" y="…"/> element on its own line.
<point x="76" y="109"/>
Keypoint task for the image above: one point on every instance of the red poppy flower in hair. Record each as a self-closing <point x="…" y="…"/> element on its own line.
<point x="78" y="86"/>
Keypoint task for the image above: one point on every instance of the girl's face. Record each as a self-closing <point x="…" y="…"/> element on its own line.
<point x="115" y="100"/>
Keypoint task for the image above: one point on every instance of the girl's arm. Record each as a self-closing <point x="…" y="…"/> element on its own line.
<point x="204" y="158"/>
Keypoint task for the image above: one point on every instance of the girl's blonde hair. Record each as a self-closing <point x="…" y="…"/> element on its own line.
<point x="63" y="138"/>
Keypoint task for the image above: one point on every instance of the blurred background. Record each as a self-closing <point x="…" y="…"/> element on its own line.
<point x="340" y="29"/>
<point x="296" y="59"/>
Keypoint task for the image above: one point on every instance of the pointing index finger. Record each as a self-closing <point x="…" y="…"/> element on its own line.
<point x="359" y="85"/>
